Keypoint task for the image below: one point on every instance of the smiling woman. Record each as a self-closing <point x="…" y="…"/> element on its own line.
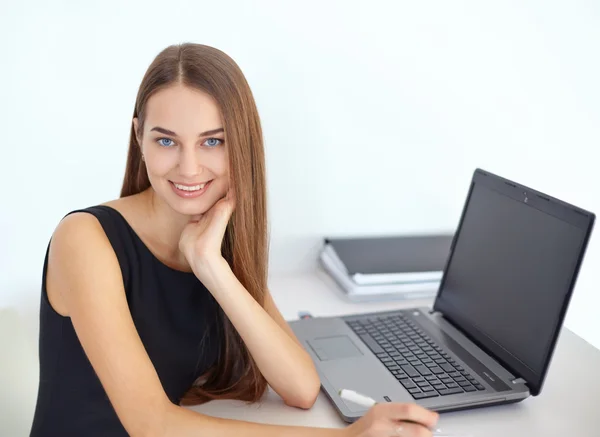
<point x="172" y="161"/>
<point x="159" y="298"/>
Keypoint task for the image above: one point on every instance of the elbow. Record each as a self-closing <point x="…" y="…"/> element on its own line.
<point x="306" y="403"/>
<point x="305" y="397"/>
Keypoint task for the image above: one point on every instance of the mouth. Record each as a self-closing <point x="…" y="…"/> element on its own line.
<point x="187" y="191"/>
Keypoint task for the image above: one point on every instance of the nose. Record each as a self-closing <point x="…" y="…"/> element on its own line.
<point x="188" y="162"/>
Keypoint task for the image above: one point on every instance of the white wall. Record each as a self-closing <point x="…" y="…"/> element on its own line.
<point x="375" y="113"/>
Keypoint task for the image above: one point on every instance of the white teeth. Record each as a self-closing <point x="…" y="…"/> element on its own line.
<point x="186" y="188"/>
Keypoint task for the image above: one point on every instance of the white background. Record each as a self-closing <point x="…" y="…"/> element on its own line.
<point x="375" y="114"/>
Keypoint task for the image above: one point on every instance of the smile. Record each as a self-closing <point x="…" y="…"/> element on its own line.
<point x="190" y="191"/>
<point x="188" y="187"/>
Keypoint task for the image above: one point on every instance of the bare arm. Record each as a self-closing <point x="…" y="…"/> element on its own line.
<point x="279" y="355"/>
<point x="85" y="273"/>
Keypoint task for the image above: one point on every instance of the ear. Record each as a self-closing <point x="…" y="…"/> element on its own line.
<point x="135" y="130"/>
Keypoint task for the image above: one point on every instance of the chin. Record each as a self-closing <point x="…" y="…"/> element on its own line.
<point x="191" y="206"/>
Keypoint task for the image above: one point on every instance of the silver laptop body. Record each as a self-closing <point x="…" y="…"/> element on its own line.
<point x="492" y="330"/>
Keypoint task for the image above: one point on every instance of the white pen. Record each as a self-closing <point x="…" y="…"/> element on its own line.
<point x="368" y="402"/>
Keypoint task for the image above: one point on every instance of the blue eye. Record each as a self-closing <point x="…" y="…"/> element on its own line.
<point x="213" y="142"/>
<point x="160" y="141"/>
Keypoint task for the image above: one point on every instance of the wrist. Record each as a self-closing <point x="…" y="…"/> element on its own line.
<point x="210" y="270"/>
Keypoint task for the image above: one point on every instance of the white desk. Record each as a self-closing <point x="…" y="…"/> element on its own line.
<point x="569" y="405"/>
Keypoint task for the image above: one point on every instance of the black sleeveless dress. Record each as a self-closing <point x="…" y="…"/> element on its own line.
<point x="175" y="315"/>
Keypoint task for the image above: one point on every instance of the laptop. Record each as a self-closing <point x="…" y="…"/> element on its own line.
<point x="489" y="337"/>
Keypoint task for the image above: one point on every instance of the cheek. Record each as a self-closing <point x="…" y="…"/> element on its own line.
<point x="160" y="162"/>
<point x="224" y="164"/>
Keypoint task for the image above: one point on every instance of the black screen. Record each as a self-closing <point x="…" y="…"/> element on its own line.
<point x="511" y="273"/>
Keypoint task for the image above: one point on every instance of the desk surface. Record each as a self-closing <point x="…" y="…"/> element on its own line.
<point x="567" y="406"/>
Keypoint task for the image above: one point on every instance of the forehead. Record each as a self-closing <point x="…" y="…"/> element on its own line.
<point x="184" y="110"/>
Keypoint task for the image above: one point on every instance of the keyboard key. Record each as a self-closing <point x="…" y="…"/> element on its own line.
<point x="479" y="386"/>
<point x="436" y="370"/>
<point x="447" y="367"/>
<point x="418" y="379"/>
<point x="428" y="388"/>
<point x="450" y="391"/>
<point x="407" y="383"/>
<point x="414" y="390"/>
<point x="423" y="370"/>
<point x="429" y="394"/>
<point x="372" y="344"/>
<point x="452" y="385"/>
<point x="469" y="388"/>
<point x="410" y="371"/>
<point x="423" y="384"/>
<point x="431" y="378"/>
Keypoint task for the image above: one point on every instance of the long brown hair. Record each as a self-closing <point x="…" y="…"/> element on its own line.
<point x="245" y="244"/>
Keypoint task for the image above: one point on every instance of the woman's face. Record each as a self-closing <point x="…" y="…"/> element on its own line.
<point x="184" y="149"/>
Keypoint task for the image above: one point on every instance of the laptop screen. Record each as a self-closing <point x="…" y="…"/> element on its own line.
<point x="511" y="272"/>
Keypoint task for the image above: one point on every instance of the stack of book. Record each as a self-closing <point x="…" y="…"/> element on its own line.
<point x="386" y="267"/>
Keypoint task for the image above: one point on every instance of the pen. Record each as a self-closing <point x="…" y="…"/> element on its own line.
<point x="368" y="402"/>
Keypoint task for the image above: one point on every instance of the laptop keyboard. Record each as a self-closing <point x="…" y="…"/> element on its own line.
<point x="415" y="360"/>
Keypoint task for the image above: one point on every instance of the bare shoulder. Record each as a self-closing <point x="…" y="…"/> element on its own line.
<point x="78" y="246"/>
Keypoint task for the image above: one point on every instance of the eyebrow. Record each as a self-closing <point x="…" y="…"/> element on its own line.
<point x="162" y="130"/>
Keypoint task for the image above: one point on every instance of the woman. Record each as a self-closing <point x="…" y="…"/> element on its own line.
<point x="159" y="299"/>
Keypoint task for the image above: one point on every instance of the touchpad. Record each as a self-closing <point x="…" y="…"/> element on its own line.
<point x="333" y="348"/>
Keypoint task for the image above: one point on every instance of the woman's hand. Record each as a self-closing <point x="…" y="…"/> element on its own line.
<point x="202" y="237"/>
<point x="394" y="419"/>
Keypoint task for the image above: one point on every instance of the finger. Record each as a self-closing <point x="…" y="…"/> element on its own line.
<point x="230" y="197"/>
<point x="406" y="429"/>
<point x="412" y="413"/>
<point x="223" y="211"/>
